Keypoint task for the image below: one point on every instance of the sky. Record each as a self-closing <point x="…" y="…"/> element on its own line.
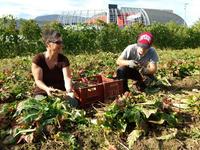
<point x="29" y="9"/>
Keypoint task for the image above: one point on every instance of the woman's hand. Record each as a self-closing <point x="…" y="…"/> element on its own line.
<point x="49" y="91"/>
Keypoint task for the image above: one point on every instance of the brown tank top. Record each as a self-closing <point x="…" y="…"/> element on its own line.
<point x="51" y="77"/>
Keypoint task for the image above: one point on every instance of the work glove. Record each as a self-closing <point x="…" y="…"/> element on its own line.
<point x="70" y="94"/>
<point x="149" y="80"/>
<point x="143" y="70"/>
<point x="133" y="64"/>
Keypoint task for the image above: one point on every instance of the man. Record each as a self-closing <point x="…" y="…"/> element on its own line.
<point x="137" y="61"/>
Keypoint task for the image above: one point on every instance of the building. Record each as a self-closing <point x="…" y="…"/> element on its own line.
<point x="124" y="16"/>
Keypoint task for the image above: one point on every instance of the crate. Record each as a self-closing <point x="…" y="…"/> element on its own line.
<point x="99" y="88"/>
<point x="92" y="92"/>
<point x="112" y="88"/>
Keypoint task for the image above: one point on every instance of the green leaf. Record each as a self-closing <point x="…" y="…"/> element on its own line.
<point x="134" y="114"/>
<point x="170" y="118"/>
<point x="29" y="118"/>
<point x="29" y="104"/>
<point x="48" y="121"/>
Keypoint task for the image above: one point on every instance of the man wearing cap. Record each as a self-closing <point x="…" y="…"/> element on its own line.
<point x="137" y="62"/>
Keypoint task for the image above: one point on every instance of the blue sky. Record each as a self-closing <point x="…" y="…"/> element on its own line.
<point x="29" y="9"/>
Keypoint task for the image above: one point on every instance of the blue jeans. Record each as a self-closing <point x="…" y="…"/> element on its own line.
<point x="126" y="73"/>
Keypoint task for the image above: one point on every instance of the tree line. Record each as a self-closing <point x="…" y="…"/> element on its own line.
<point x="23" y="37"/>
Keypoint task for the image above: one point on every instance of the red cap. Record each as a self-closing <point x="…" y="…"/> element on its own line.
<point x="145" y="40"/>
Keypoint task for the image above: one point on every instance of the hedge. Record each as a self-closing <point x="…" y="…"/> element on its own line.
<point x="23" y="37"/>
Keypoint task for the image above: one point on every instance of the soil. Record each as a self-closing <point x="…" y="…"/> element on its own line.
<point x="93" y="140"/>
<point x="174" y="144"/>
<point x="190" y="85"/>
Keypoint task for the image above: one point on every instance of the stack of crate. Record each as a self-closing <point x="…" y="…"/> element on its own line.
<point x="96" y="88"/>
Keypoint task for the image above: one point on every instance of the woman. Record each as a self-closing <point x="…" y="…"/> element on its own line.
<point x="51" y="69"/>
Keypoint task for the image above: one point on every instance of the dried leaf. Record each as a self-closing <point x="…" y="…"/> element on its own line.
<point x="133" y="136"/>
<point x="148" y="112"/>
<point x="161" y="121"/>
<point x="168" y="136"/>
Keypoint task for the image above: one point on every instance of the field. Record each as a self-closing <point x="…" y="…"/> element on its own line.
<point x="165" y="116"/>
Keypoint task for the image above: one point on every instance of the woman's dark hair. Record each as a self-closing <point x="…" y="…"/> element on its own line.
<point x="50" y="35"/>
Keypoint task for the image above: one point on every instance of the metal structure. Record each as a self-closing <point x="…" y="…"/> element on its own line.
<point x="122" y="17"/>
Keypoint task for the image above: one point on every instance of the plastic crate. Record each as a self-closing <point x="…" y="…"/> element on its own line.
<point x="112" y="88"/>
<point x="92" y="92"/>
<point x="97" y="88"/>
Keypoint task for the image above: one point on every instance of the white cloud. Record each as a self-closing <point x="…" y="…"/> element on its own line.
<point x="95" y="4"/>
